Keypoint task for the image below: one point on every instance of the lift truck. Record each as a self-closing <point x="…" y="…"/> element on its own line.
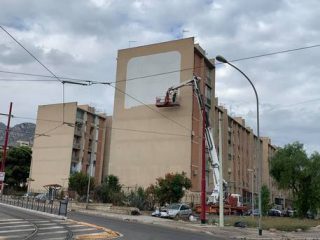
<point x="232" y="202"/>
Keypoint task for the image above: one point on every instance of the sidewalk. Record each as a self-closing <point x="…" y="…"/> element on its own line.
<point x="225" y="232"/>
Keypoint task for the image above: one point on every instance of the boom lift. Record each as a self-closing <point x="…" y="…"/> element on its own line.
<point x="232" y="201"/>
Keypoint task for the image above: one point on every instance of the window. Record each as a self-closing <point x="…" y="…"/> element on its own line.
<point x="208" y="76"/>
<point x="208" y="95"/>
<point x="80" y="114"/>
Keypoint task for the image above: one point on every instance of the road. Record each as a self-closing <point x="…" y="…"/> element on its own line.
<point x="19" y="224"/>
<point x="140" y="231"/>
<point x="16" y="223"/>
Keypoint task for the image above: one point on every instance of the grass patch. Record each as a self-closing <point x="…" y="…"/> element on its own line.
<point x="279" y="223"/>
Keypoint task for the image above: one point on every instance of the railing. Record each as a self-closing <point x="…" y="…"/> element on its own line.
<point x="49" y="206"/>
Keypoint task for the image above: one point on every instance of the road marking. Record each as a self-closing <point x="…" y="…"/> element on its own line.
<point x="46" y="224"/>
<point x="18" y="230"/>
<point x="84" y="229"/>
<point x="13" y="236"/>
<point x="48" y="228"/>
<point x="17" y="226"/>
<point x="3" y="223"/>
<point x="48" y="233"/>
<point x="61" y="238"/>
<point x="75" y="225"/>
<point x="11" y="219"/>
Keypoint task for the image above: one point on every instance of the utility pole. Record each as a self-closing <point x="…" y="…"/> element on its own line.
<point x="203" y="168"/>
<point x="221" y="206"/>
<point x="4" y="155"/>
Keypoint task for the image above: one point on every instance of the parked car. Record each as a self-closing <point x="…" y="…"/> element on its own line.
<point x="28" y="195"/>
<point x="174" y="210"/>
<point x="162" y="212"/>
<point x="274" y="212"/>
<point x="255" y="212"/>
<point x="42" y="197"/>
<point x="289" y="213"/>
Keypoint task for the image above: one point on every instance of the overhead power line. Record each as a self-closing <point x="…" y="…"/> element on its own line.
<point x="162" y="73"/>
<point x="152" y="109"/>
<point x="274" y="53"/>
<point x="34" y="57"/>
<point x="73" y="124"/>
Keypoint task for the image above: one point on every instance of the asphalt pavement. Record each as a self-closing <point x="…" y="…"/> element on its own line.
<point x="134" y="230"/>
<point x="18" y="223"/>
<point x="147" y="227"/>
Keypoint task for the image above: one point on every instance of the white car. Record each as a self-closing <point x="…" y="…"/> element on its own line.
<point x="176" y="210"/>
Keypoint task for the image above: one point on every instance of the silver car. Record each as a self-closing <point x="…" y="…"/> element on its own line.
<point x="177" y="210"/>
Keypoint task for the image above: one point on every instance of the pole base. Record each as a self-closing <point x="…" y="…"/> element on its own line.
<point x="260" y="232"/>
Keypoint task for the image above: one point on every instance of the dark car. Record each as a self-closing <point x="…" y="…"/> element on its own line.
<point x="42" y="197"/>
<point x="289" y="213"/>
<point x="274" y="212"/>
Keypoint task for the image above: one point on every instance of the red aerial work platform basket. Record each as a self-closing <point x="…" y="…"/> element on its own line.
<point x="166" y="101"/>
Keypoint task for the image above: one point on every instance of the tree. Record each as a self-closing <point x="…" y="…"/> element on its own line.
<point x="290" y="167"/>
<point x="79" y="182"/>
<point x="314" y="199"/>
<point x="138" y="198"/>
<point x="265" y="199"/>
<point x="17" y="167"/>
<point x="110" y="191"/>
<point x="171" y="188"/>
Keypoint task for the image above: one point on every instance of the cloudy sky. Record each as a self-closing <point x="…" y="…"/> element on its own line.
<point x="80" y="39"/>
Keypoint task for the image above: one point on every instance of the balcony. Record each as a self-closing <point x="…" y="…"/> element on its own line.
<point x="78" y="131"/>
<point x="75" y="158"/>
<point x="77" y="145"/>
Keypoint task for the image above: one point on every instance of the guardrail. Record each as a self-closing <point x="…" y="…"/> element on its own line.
<point x="57" y="207"/>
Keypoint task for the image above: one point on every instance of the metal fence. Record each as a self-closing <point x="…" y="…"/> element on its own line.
<point x="49" y="206"/>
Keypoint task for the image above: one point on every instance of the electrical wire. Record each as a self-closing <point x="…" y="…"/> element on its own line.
<point x="163" y="73"/>
<point x="102" y="128"/>
<point x="163" y="115"/>
<point x="33" y="56"/>
<point x="274" y="53"/>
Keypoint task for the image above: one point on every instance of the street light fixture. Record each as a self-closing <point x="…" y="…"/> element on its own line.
<point x="223" y="60"/>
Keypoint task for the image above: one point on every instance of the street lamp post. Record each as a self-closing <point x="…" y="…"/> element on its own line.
<point x="252" y="191"/>
<point x="223" y="60"/>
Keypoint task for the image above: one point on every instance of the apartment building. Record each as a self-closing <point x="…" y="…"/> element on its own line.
<point x="241" y="156"/>
<point x="147" y="142"/>
<point x="69" y="138"/>
<point x="155" y="141"/>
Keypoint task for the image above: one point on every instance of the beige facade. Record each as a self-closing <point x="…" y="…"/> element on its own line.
<point x="68" y="138"/>
<point x="155" y="141"/>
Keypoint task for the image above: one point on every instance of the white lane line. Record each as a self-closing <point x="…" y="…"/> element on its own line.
<point x="84" y="229"/>
<point x="48" y="228"/>
<point x="17" y="226"/>
<point x="18" y="230"/>
<point x="11" y="219"/>
<point x="48" y="233"/>
<point x="61" y="238"/>
<point x="14" y="236"/>
<point x="76" y="225"/>
<point x="46" y="224"/>
<point x="38" y="221"/>
<point x="3" y="223"/>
